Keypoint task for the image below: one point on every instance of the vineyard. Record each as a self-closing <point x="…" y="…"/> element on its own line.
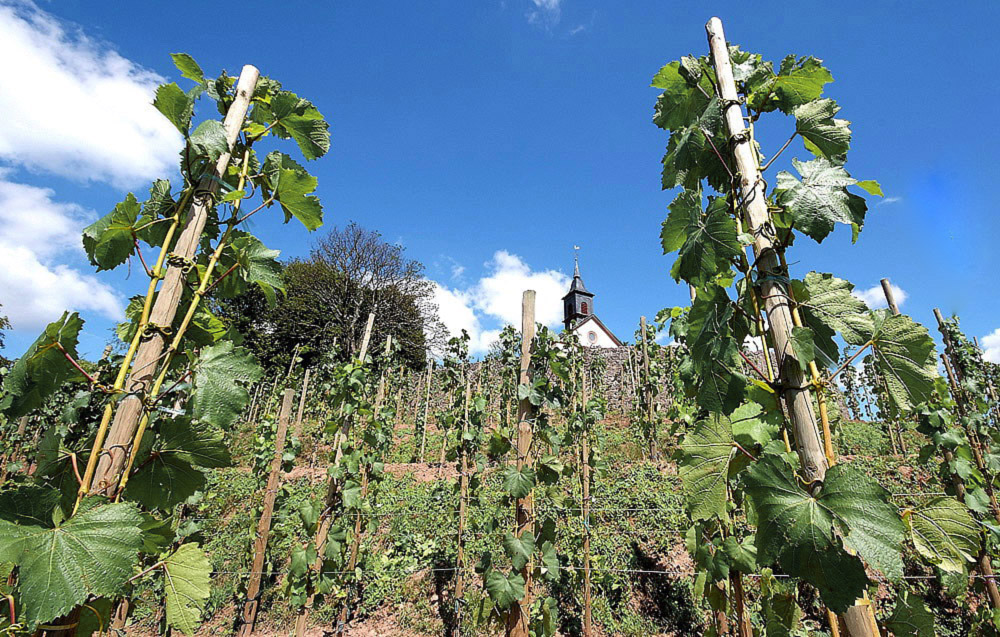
<point x="773" y="459"/>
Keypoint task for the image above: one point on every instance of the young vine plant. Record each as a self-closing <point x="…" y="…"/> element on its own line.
<point x="760" y="505"/>
<point x="101" y="512"/>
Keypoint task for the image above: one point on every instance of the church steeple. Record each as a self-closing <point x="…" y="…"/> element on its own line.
<point x="579" y="302"/>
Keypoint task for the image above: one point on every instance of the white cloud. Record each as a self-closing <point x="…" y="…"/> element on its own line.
<point x="888" y="201"/>
<point x="874" y="297"/>
<point x="546" y="13"/>
<point x="991" y="346"/>
<point x="74" y="107"/>
<point x="34" y="232"/>
<point x="495" y="299"/>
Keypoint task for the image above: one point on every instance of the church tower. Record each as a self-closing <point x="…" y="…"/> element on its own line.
<point x="578" y="303"/>
<point x="579" y="317"/>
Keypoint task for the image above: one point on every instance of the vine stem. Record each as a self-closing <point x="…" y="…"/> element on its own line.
<point x="148" y="570"/>
<point x="849" y="361"/>
<point x="74" y="363"/>
<point x="778" y="154"/>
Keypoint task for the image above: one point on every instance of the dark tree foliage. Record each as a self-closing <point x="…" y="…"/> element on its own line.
<point x="4" y="325"/>
<point x="328" y="296"/>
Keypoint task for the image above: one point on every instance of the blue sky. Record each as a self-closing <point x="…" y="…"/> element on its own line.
<point x="490" y="137"/>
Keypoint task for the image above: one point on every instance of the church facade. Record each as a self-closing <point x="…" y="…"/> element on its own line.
<point x="579" y="316"/>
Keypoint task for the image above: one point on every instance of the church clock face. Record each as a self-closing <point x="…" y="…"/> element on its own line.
<point x="592" y="336"/>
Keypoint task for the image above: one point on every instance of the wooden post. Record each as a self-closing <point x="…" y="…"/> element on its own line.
<point x="647" y="390"/>
<point x="463" y="483"/>
<point x="332" y="493"/>
<point x="858" y="619"/>
<point x="302" y="403"/>
<point x="427" y="404"/>
<point x="806" y="430"/>
<point x="352" y="562"/>
<point x="264" y="525"/>
<point x="518" y="620"/>
<point x="103" y="478"/>
<point x="588" y="622"/>
<point x="890" y="298"/>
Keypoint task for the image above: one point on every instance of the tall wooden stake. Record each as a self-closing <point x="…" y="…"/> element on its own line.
<point x="463" y="482"/>
<point x="858" y="619"/>
<point x="647" y="390"/>
<point x="103" y="478"/>
<point x="264" y="525"/>
<point x="302" y="403"/>
<point x="332" y="494"/>
<point x="519" y="616"/>
<point x="427" y="404"/>
<point x="588" y="622"/>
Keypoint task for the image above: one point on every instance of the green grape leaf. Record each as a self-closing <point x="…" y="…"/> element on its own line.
<point x="782" y="614"/>
<point x="252" y="263"/>
<point x="550" y="562"/>
<point x="714" y="351"/>
<point x="707" y="243"/>
<point x="799" y="80"/>
<point x="824" y="135"/>
<point x="110" y="240"/>
<point x="752" y="427"/>
<point x="220" y="375"/>
<point x="187" y="584"/>
<point x="803" y="348"/>
<point x="904" y="355"/>
<point x="95" y="617"/>
<point x="92" y="553"/>
<point x="291" y="116"/>
<point x="820" y="199"/>
<point x="504" y="590"/>
<point x="519" y="550"/>
<point x="517" y="483"/>
<point x="292" y="191"/>
<point x="176" y="105"/>
<point x="703" y="466"/>
<point x="158" y="207"/>
<point x="681" y="102"/>
<point x="43" y="368"/>
<point x="690" y="156"/>
<point x="871" y="186"/>
<point x="208" y="141"/>
<point x="206" y="328"/>
<point x="827" y="306"/>
<point x="944" y="532"/>
<point x="802" y="533"/>
<point x="170" y="473"/>
<point x="188" y="67"/>
<point x="911" y="617"/>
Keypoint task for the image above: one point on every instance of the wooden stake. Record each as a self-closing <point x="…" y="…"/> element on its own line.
<point x="518" y="619"/>
<point x="463" y="481"/>
<point x="588" y="622"/>
<point x="252" y="602"/>
<point x="332" y="493"/>
<point x="889" y="296"/>
<point x="103" y="478"/>
<point x="797" y="395"/>
<point x="427" y="404"/>
<point x="647" y="391"/>
<point x="776" y="303"/>
<point x="302" y="403"/>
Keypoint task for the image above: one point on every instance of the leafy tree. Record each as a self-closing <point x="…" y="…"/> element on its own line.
<point x="328" y="297"/>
